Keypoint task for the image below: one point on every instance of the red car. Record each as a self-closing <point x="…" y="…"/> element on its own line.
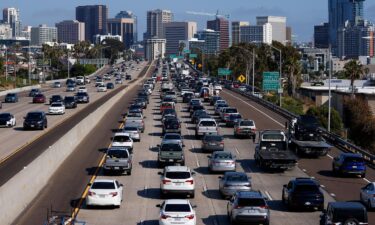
<point x="39" y="98"/>
<point x="166" y="105"/>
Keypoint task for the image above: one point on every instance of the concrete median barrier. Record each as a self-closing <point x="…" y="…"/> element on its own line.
<point x="23" y="188"/>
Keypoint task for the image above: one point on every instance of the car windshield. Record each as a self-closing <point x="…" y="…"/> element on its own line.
<point x="177" y="208"/>
<point x="131" y="129"/>
<point x="223" y="156"/>
<point x="81" y="94"/>
<point x="207" y="124"/>
<point x="177" y="175"/>
<point x="121" y="138"/>
<point x="103" y="185"/>
<point x="171" y="148"/>
<point x="39" y="96"/>
<point x="213" y="138"/>
<point x="11" y="95"/>
<point x="354" y="160"/>
<point x="222" y="105"/>
<point x="231" y="110"/>
<point x="251" y="202"/>
<point x="69" y="98"/>
<point x="34" y="116"/>
<point x="118" y="154"/>
<point x="237" y="177"/>
<point x="306" y="188"/>
<point x="5" y="116"/>
<point x="236" y="116"/>
<point x="247" y="123"/>
<point x="56" y="105"/>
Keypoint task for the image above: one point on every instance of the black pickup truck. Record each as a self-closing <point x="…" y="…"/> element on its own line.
<point x="272" y="151"/>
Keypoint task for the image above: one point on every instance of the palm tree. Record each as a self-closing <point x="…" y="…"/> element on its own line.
<point x="354" y="70"/>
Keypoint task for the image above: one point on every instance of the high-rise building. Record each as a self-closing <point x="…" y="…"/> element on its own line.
<point x="70" y="31"/>
<point x="220" y="25"/>
<point x="12" y="17"/>
<point x="321" y="36"/>
<point x="95" y="19"/>
<point x="289" y="35"/>
<point x="278" y="26"/>
<point x="354" y="40"/>
<point x="256" y="34"/>
<point x="236" y="31"/>
<point x="26" y="32"/>
<point x="154" y="48"/>
<point x="211" y="40"/>
<point x="43" y="34"/>
<point x="339" y="12"/>
<point x="175" y="32"/>
<point x="155" y="23"/>
<point x="5" y="31"/>
<point x="130" y="15"/>
<point x="123" y="27"/>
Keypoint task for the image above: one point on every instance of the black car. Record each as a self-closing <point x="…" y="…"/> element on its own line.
<point x="214" y="99"/>
<point x="142" y="102"/>
<point x="70" y="102"/>
<point x="303" y="193"/>
<point x="7" y="120"/>
<point x="187" y="97"/>
<point x="110" y="86"/>
<point x="196" y="115"/>
<point x="195" y="108"/>
<point x="144" y="95"/>
<point x="169" y="112"/>
<point x="70" y="81"/>
<point x="135" y="108"/>
<point x="34" y="92"/>
<point x="171" y="125"/>
<point x="128" y="77"/>
<point x="11" y="98"/>
<point x="345" y="213"/>
<point x="55" y="98"/>
<point x="82" y="97"/>
<point x="35" y="120"/>
<point x="233" y="119"/>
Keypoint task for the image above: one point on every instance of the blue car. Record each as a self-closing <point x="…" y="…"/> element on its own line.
<point x="349" y="163"/>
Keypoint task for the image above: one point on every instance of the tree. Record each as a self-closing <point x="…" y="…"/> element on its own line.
<point x="353" y="71"/>
<point x="321" y="113"/>
<point x="77" y="70"/>
<point x="181" y="47"/>
<point x="111" y="48"/>
<point x="81" y="49"/>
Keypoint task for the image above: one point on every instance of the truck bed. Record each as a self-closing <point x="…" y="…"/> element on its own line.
<point x="311" y="144"/>
<point x="277" y="155"/>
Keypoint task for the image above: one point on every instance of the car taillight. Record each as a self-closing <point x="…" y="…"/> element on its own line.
<point x="238" y="129"/>
<point x="264" y="207"/>
<point x="253" y="129"/>
<point x="238" y="207"/>
<point x="91" y="193"/>
<point x="190" y="217"/>
<point x="225" y="115"/>
<point x="163" y="217"/>
<point x="190" y="181"/>
<point x="166" y="181"/>
<point x="113" y="194"/>
<point x="222" y="143"/>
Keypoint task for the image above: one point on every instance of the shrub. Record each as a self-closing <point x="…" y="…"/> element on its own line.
<point x="321" y="113"/>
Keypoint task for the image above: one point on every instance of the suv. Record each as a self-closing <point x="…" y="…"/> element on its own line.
<point x="206" y="126"/>
<point x="11" y="98"/>
<point x="82" y="97"/>
<point x="345" y="213"/>
<point x="171" y="125"/>
<point x="118" y="160"/>
<point x="177" y="179"/>
<point x="349" y="163"/>
<point x="35" y="120"/>
<point x="170" y="153"/>
<point x="248" y="207"/>
<point x="70" y="102"/>
<point x="245" y="128"/>
<point x="303" y="193"/>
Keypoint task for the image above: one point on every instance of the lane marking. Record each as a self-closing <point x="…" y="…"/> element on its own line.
<point x="237" y="150"/>
<point x="366" y="180"/>
<point x="268" y="195"/>
<point x="329" y="156"/>
<point x="332" y="194"/>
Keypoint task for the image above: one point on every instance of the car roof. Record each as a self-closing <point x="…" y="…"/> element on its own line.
<point x="177" y="169"/>
<point x="346" y="205"/>
<point x="351" y="155"/>
<point x="104" y="180"/>
<point x="177" y="201"/>
<point x="305" y="181"/>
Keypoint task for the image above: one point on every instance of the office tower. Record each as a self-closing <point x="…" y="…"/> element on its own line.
<point x="95" y="19"/>
<point x="256" y="34"/>
<point x="236" y="31"/>
<point x="289" y="35"/>
<point x="155" y="23"/>
<point x="211" y="40"/>
<point x="321" y="36"/>
<point x="12" y="17"/>
<point x="123" y="27"/>
<point x="5" y="31"/>
<point x="70" y="31"/>
<point x="130" y="15"/>
<point x="220" y="25"/>
<point x="154" y="48"/>
<point x="175" y="32"/>
<point x="43" y="34"/>
<point x="278" y="26"/>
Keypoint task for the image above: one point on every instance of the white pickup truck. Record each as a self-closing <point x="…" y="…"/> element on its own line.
<point x="206" y="126"/>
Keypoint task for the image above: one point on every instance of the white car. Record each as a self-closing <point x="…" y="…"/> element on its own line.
<point x="220" y="102"/>
<point x="87" y="80"/>
<point x="218" y="87"/>
<point x="105" y="193"/>
<point x="102" y="88"/>
<point x="122" y="140"/>
<point x="177" y="211"/>
<point x="56" y="108"/>
<point x="177" y="180"/>
<point x="7" y="120"/>
<point x="367" y="195"/>
<point x="134" y="132"/>
<point x="82" y="89"/>
<point x="183" y="91"/>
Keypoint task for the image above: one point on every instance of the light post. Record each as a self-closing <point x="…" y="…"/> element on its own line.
<point x="329" y="90"/>
<point x="68" y="64"/>
<point x="29" y="67"/>
<point x="280" y="92"/>
<point x="253" y="56"/>
<point x="6" y="63"/>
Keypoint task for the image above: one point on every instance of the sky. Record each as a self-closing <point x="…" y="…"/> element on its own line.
<point x="301" y="15"/>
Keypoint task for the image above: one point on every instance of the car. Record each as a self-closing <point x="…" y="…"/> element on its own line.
<point x="193" y="102"/>
<point x="110" y="86"/>
<point x="102" y="88"/>
<point x="349" y="164"/>
<point x="222" y="161"/>
<point x="80" y="80"/>
<point x="196" y="115"/>
<point x="345" y="213"/>
<point x="177" y="180"/>
<point x="248" y="207"/>
<point x="303" y="193"/>
<point x="35" y="120"/>
<point x="1" y="105"/>
<point x="39" y="98"/>
<point x="33" y="92"/>
<point x="212" y="143"/>
<point x="367" y="195"/>
<point x="214" y="99"/>
<point x="70" y="88"/>
<point x="11" y="98"/>
<point x="118" y="81"/>
<point x="176" y="211"/>
<point x="245" y="128"/>
<point x="206" y="126"/>
<point x="219" y="107"/>
<point x="173" y="138"/>
<point x="195" y="108"/>
<point x="166" y="105"/>
<point x="57" y="84"/>
<point x="172" y="125"/>
<point x="170" y="154"/>
<point x="220" y="101"/>
<point x="70" y="81"/>
<point x="106" y="77"/>
<point x="226" y="112"/>
<point x="55" y="98"/>
<point x="70" y="102"/>
<point x="232" y="120"/>
<point x="99" y="82"/>
<point x="87" y="80"/>
<point x="135" y="108"/>
<point x="133" y="131"/>
<point x="118" y="159"/>
<point x="122" y="139"/>
<point x="7" y="120"/>
<point x="187" y="97"/>
<point x="128" y="77"/>
<point x="142" y="102"/>
<point x="82" y="97"/>
<point x="82" y="89"/>
<point x="105" y="192"/>
<point x="233" y="182"/>
<point x="56" y="108"/>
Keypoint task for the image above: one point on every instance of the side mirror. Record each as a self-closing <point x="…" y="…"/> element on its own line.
<point x="158" y="206"/>
<point x="220" y="177"/>
<point x="193" y="173"/>
<point x="209" y="156"/>
<point x="121" y="185"/>
<point x="158" y="146"/>
<point x="160" y="173"/>
<point x="285" y="186"/>
<point x="194" y="206"/>
<point x="183" y="145"/>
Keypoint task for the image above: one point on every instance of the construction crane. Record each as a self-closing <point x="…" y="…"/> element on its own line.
<point x="227" y="16"/>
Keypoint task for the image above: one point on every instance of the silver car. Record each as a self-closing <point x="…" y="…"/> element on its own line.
<point x="248" y="207"/>
<point x="222" y="161"/>
<point x="134" y="132"/>
<point x="212" y="142"/>
<point x="367" y="195"/>
<point x="173" y="138"/>
<point x="232" y="182"/>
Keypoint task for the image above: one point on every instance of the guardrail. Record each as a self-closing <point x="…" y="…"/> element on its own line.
<point x="334" y="139"/>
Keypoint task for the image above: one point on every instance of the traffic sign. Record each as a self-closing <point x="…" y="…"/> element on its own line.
<point x="271" y="81"/>
<point x="193" y="56"/>
<point x="172" y="56"/>
<point x="224" y="72"/>
<point x="186" y="51"/>
<point x="200" y="65"/>
<point x="241" y="78"/>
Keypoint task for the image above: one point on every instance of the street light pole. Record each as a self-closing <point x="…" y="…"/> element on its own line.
<point x="329" y="89"/>
<point x="279" y="50"/>
<point x="6" y="63"/>
<point x="253" y="56"/>
<point x="68" y="65"/>
<point x="29" y="67"/>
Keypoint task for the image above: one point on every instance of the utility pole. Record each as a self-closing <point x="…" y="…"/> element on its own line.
<point x="253" y="70"/>
<point x="6" y="63"/>
<point x="68" y="65"/>
<point x="29" y="66"/>
<point x="329" y="89"/>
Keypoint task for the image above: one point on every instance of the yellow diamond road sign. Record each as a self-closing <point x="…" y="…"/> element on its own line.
<point x="241" y="78"/>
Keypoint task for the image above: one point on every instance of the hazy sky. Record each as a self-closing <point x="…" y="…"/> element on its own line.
<point x="301" y="15"/>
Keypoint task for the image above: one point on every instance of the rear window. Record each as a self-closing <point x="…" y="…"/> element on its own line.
<point x="177" y="175"/>
<point x="131" y="129"/>
<point x="118" y="154"/>
<point x="306" y="188"/>
<point x="223" y="156"/>
<point x="207" y="124"/>
<point x="121" y="138"/>
<point x="171" y="147"/>
<point x="231" y="110"/>
<point x="213" y="138"/>
<point x="177" y="208"/>
<point x="251" y="202"/>
<point x="172" y="137"/>
<point x="56" y="105"/>
<point x="354" y="160"/>
<point x="5" y="116"/>
<point x="237" y="177"/>
<point x="103" y="185"/>
<point x="247" y="123"/>
<point x="236" y="116"/>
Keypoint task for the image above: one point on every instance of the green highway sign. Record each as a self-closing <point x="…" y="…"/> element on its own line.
<point x="193" y="55"/>
<point x="186" y="51"/>
<point x="180" y="57"/>
<point x="271" y="81"/>
<point x="172" y="56"/>
<point x="224" y="72"/>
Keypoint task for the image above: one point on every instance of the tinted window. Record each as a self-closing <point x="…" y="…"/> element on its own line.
<point x="213" y="138"/>
<point x="231" y="110"/>
<point x="130" y="129"/>
<point x="237" y="177"/>
<point x="103" y="185"/>
<point x="81" y="94"/>
<point x="177" y="208"/>
<point x="306" y="188"/>
<point x="34" y="116"/>
<point x="236" y="116"/>
<point x="223" y="156"/>
<point x="275" y="136"/>
<point x="117" y="154"/>
<point x="207" y="124"/>
<point x="353" y="160"/>
<point x="171" y="147"/>
<point x="251" y="202"/>
<point x="172" y="136"/>
<point x="5" y="116"/>
<point x="69" y="98"/>
<point x="177" y="175"/>
<point x="121" y="138"/>
<point x="56" y="104"/>
<point x="247" y="123"/>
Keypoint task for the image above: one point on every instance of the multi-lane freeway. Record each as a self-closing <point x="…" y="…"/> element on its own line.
<point x="66" y="191"/>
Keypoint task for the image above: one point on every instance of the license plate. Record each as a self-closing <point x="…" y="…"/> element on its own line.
<point x="307" y="203"/>
<point x="117" y="168"/>
<point x="32" y="125"/>
<point x="171" y="160"/>
<point x="177" y="219"/>
<point x="178" y="184"/>
<point x="101" y="196"/>
<point x="354" y="167"/>
<point x="311" y="135"/>
<point x="251" y="211"/>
